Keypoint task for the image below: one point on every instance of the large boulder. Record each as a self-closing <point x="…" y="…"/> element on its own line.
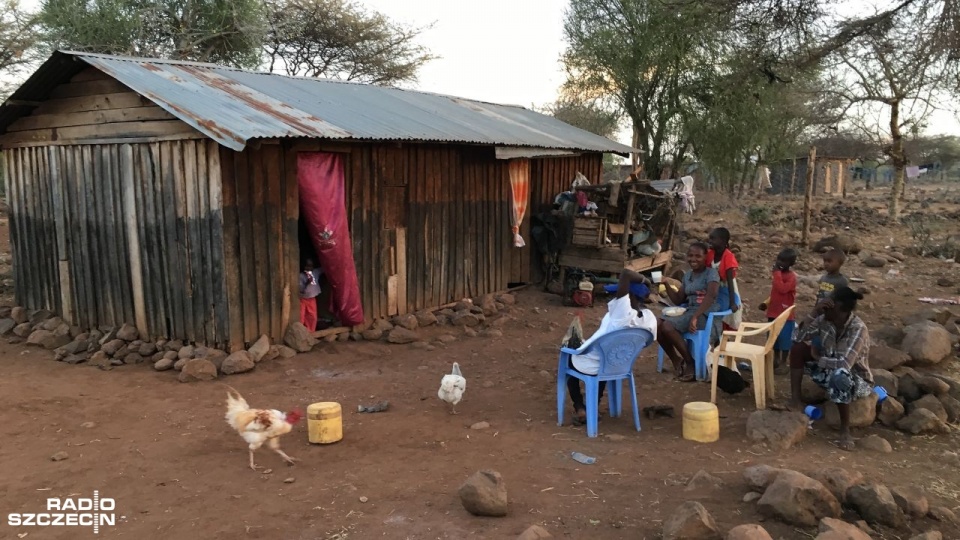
<point x="238" y="362"/>
<point x="128" y="333"/>
<point x="19" y="315"/>
<point x="911" y="501"/>
<point x="812" y="393"/>
<point x="891" y="336"/>
<point x="933" y="385"/>
<point x="690" y="521"/>
<point x="298" y="337"/>
<point x="759" y="477"/>
<point x="407" y="320"/>
<point x="750" y="531"/>
<point x="863" y="412"/>
<point x="837" y="480"/>
<point x="425" y="318"/>
<point x="876" y="504"/>
<point x="798" y="499"/>
<point x="484" y="494"/>
<point x="401" y="335"/>
<point x="939" y="315"/>
<point x="779" y="429"/>
<point x="887" y="380"/>
<point x="835" y="529"/>
<point x="908" y="383"/>
<point x="259" y="349"/>
<point x="849" y="244"/>
<point x="921" y="421"/>
<point x="7" y="326"/>
<point x="198" y="369"/>
<point x="930" y="403"/>
<point x="47" y="339"/>
<point x="883" y="357"/>
<point x="952" y="406"/>
<point x="926" y="343"/>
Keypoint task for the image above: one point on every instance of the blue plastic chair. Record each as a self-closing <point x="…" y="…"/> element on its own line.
<point x="699" y="344"/>
<point x="618" y="351"/>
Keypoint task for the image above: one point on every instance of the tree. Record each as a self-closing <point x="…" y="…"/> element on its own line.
<point x="220" y="31"/>
<point x="18" y="37"/>
<point x="588" y="116"/>
<point x="339" y="39"/>
<point x="892" y="80"/>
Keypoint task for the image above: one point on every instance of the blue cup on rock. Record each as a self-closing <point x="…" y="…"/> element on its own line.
<point x="813" y="412"/>
<point x="881" y="393"/>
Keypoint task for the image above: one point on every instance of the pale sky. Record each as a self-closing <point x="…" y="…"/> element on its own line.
<point x="502" y="51"/>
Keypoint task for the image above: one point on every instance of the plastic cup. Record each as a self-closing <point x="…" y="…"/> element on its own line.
<point x="657" y="276"/>
<point x="881" y="393"/>
<point x="814" y="413"/>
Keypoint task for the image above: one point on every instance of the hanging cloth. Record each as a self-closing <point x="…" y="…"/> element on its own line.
<point x="519" y="170"/>
<point x="763" y="178"/>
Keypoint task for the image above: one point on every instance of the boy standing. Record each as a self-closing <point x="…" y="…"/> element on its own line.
<point x="783" y="294"/>
<point x="832" y="279"/>
<point x="309" y="291"/>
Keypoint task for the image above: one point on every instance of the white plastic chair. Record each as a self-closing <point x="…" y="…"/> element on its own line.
<point x="760" y="357"/>
<point x="688" y="200"/>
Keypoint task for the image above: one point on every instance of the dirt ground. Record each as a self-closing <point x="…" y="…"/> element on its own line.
<point x="162" y="450"/>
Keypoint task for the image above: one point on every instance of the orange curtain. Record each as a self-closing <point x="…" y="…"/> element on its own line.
<point x="520" y="187"/>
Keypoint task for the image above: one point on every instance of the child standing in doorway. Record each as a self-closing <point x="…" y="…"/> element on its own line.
<point x="783" y="294"/>
<point x="725" y="263"/>
<point x="309" y="291"/>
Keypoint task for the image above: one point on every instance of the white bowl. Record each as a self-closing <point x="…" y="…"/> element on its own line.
<point x="674" y="311"/>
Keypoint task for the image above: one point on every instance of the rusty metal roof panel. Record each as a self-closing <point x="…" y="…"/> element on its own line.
<point x="234" y="106"/>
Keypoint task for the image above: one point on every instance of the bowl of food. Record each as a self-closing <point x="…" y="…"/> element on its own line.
<point x="674" y="311"/>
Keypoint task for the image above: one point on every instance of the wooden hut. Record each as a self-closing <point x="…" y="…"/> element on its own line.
<point x="831" y="175"/>
<point x="164" y="194"/>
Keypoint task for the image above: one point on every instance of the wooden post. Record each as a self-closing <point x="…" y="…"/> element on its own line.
<point x="807" y="202"/>
<point x="793" y="177"/>
<point x="129" y="181"/>
<point x="631" y="200"/>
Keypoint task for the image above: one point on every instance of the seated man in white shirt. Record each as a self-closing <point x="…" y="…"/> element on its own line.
<point x="624" y="311"/>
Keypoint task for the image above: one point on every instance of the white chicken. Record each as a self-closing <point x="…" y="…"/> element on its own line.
<point x="452" y="387"/>
<point x="258" y="426"/>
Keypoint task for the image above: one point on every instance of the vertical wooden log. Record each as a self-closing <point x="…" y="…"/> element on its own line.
<point x="807" y="200"/>
<point x="628" y="221"/>
<point x="793" y="177"/>
<point x="128" y="182"/>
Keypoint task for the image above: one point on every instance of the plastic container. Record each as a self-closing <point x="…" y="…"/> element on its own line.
<point x="583" y="458"/>
<point x="701" y="422"/>
<point x="812" y="412"/>
<point x="324" y="422"/>
<point x="881" y="393"/>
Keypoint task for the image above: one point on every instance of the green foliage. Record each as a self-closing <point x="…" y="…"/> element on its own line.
<point x="589" y="116"/>
<point x="18" y="38"/>
<point x="761" y="215"/>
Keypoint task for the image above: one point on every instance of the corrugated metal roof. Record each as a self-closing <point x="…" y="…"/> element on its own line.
<point x="233" y="106"/>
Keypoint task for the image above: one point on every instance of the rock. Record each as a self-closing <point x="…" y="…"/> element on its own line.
<point x="939" y="315"/>
<point x="863" y="412"/>
<point x="59" y="456"/>
<point x="875" y="503"/>
<point x="147" y="349"/>
<point x="23" y="330"/>
<point x="703" y="480"/>
<point x="875" y="443"/>
<point x="465" y="318"/>
<point x="425" y="318"/>
<point x="748" y="532"/>
<point x="47" y="339"/>
<point x="874" y="262"/>
<point x="952" y="406"/>
<point x="259" y="349"/>
<point x="929" y="535"/>
<point x="849" y="244"/>
<point x="887" y="380"/>
<point x="7" y="326"/>
<point x="174" y="345"/>
<point x="77" y="358"/>
<point x="690" y="521"/>
<point x="837" y="480"/>
<point x="484" y="494"/>
<point x="40" y="315"/>
<point x="835" y="529"/>
<point x="215" y="356"/>
<point x="382" y="325"/>
<point x="930" y="403"/>
<point x="534" y="532"/>
<point x="911" y="501"/>
<point x="506" y="299"/>
<point x="19" y="315"/>
<point x="128" y="333"/>
<point x="132" y="359"/>
<point x="780" y="429"/>
<point x="100" y="359"/>
<point x="298" y="338"/>
<point x="171" y="355"/>
<point x="447" y="338"/>
<point x="407" y="320"/>
<point x="492" y="333"/>
<point x="372" y="334"/>
<point x="489" y="305"/>
<point x="198" y="369"/>
<point x="798" y="499"/>
<point x="760" y="477"/>
<point x="238" y="362"/>
<point x="883" y="357"/>
<point x="926" y="343"/>
<point x="470" y="332"/>
<point x="163" y="364"/>
<point x="892" y="336"/>
<point x="752" y="496"/>
<point x="122" y="352"/>
<point x="187" y="351"/>
<point x="908" y="386"/>
<point x="286" y="352"/>
<point x="480" y="425"/>
<point x="942" y="514"/>
<point x="811" y="393"/>
<point x="922" y="421"/>
<point x="932" y="385"/>
<point x="402" y="336"/>
<point x="272" y="353"/>
<point x="180" y="362"/>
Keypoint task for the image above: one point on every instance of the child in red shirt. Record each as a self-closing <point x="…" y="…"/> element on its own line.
<point x="725" y="262"/>
<point x="783" y="294"/>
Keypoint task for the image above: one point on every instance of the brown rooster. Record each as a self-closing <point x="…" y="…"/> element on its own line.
<point x="258" y="426"/>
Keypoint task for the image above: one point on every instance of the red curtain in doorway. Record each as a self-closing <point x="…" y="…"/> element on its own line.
<point x="519" y="171"/>
<point x="323" y="209"/>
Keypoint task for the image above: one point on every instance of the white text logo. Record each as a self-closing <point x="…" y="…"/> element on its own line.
<point x="70" y="512"/>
